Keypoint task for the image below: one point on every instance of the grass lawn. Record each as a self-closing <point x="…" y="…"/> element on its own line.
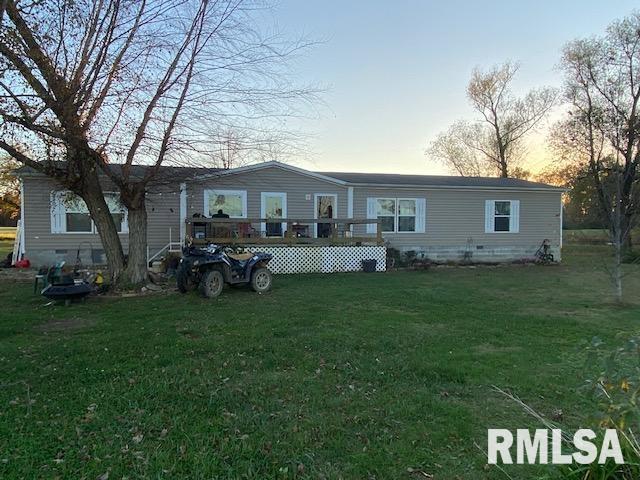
<point x="591" y="236"/>
<point x="340" y="376"/>
<point x="7" y="236"/>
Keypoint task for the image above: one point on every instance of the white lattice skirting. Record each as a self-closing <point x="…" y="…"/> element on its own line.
<point x="323" y="259"/>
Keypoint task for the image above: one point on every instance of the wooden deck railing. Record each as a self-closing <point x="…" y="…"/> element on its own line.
<point x="287" y="231"/>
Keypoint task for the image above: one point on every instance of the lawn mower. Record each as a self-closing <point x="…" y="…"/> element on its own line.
<point x="209" y="268"/>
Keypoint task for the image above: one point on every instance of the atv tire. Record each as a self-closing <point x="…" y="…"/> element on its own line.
<point x="184" y="280"/>
<point x="261" y="280"/>
<point x="212" y="283"/>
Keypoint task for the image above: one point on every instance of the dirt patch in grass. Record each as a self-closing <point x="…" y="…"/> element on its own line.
<point x="64" y="325"/>
<point x="190" y="334"/>
<point x="21" y="275"/>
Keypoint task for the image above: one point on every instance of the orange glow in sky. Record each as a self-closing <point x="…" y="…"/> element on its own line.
<point x="395" y="72"/>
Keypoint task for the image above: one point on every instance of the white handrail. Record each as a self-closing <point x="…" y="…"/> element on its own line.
<point x="17" y="244"/>
<point x="162" y="250"/>
<point x="159" y="252"/>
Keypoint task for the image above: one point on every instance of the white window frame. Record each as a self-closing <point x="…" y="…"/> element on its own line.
<point x="490" y="216"/>
<point x="419" y="224"/>
<point x="215" y="191"/>
<point x="65" y="212"/>
<point x="124" y="226"/>
<point x="415" y="215"/>
<point x="394" y="216"/>
<point x="315" y="208"/>
<point x="263" y="209"/>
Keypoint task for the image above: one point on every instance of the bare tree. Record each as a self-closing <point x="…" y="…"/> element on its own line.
<point x="460" y="150"/>
<point x="602" y="87"/>
<point x="494" y="143"/>
<point x="109" y="86"/>
<point x="234" y="147"/>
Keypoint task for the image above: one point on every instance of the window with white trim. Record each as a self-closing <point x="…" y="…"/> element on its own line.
<point x="76" y="213"/>
<point x="386" y="213"/>
<point x="118" y="211"/>
<point x="397" y="215"/>
<point x="407" y="214"/>
<point x="502" y="216"/>
<point x="229" y="202"/>
<point x="69" y="213"/>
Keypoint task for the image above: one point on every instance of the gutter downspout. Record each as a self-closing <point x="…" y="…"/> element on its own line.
<point x="183" y="212"/>
<point x="22" y="252"/>
<point x="350" y="206"/>
<point x="561" y="220"/>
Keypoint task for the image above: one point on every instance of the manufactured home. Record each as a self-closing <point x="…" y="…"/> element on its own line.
<point x="443" y="218"/>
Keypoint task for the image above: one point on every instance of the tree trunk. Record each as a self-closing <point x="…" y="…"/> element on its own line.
<point x="99" y="210"/>
<point x="618" y="241"/>
<point x="617" y="271"/>
<point x="136" y="271"/>
<point x="627" y="225"/>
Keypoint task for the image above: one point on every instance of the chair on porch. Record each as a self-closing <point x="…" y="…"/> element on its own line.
<point x="246" y="230"/>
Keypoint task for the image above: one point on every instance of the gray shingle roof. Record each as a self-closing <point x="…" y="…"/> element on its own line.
<point x="433" y="180"/>
<point x="176" y="173"/>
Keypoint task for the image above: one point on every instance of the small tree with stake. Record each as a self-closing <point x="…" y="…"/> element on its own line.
<point x="134" y="82"/>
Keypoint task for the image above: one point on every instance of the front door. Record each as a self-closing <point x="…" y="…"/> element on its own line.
<point x="325" y="206"/>
<point x="274" y="206"/>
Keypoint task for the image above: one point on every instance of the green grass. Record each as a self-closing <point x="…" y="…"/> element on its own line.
<point x="7" y="237"/>
<point x="336" y="376"/>
<point x="7" y="233"/>
<point x="591" y="236"/>
<point x="585" y="236"/>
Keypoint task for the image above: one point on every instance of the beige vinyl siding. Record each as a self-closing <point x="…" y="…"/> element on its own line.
<point x="163" y="213"/>
<point x="162" y="210"/>
<point x="37" y="206"/>
<point x="297" y="186"/>
<point x="455" y="215"/>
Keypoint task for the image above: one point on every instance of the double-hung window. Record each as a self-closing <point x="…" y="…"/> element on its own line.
<point x="502" y="216"/>
<point x="76" y="215"/>
<point x="386" y="213"/>
<point x="69" y="213"/>
<point x="407" y="214"/>
<point x="226" y="202"/>
<point x="397" y="215"/>
<point x="117" y="210"/>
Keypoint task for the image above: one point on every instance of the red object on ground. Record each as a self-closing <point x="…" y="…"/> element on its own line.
<point x="24" y="263"/>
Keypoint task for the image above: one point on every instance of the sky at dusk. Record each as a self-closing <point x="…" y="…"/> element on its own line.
<point x="395" y="72"/>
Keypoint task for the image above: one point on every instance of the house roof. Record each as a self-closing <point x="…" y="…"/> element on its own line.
<point x="136" y="171"/>
<point x="177" y="173"/>
<point x="393" y="179"/>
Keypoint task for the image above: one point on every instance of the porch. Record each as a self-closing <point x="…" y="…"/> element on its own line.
<point x="280" y="231"/>
<point x="298" y="245"/>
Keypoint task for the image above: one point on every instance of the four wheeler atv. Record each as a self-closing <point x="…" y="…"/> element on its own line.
<point x="211" y="267"/>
